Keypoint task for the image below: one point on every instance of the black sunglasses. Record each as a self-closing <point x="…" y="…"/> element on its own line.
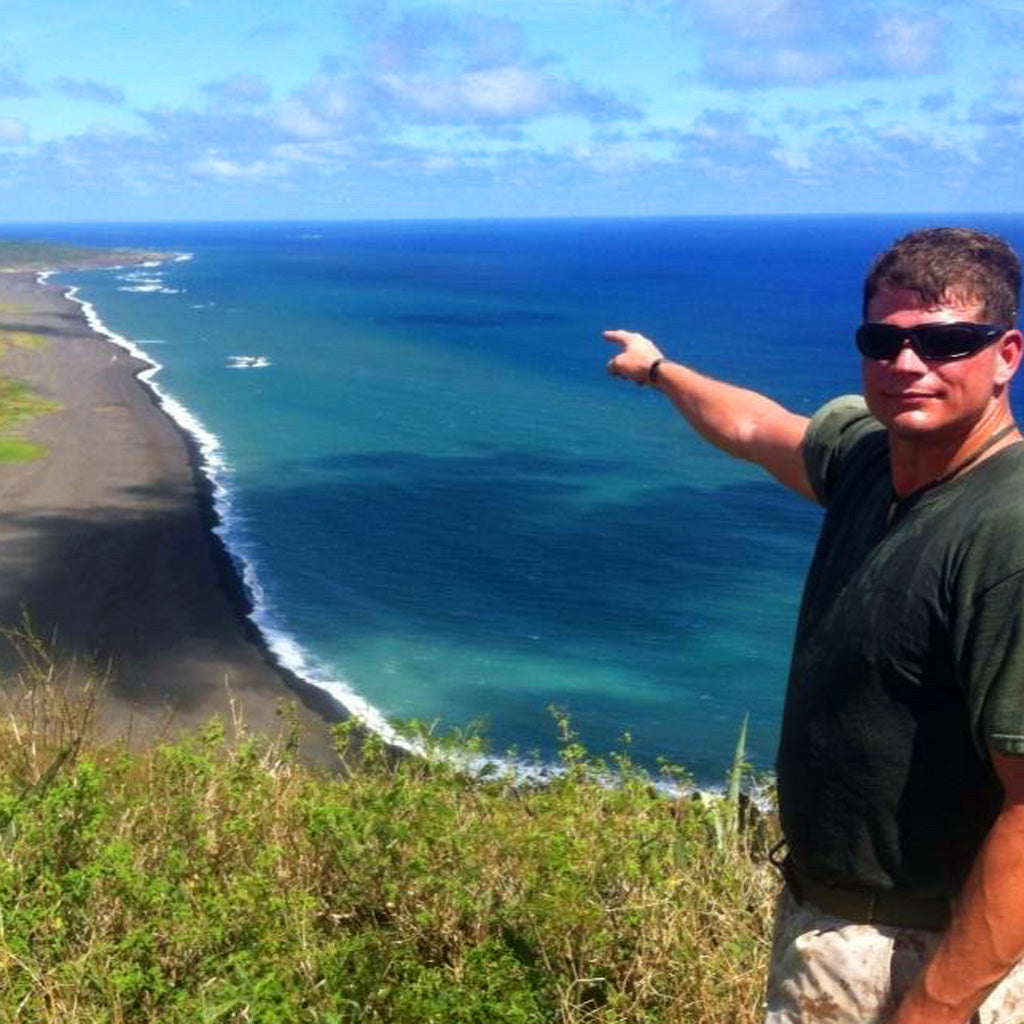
<point x="930" y="341"/>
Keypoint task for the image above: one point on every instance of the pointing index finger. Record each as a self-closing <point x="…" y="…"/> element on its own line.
<point x="618" y="337"/>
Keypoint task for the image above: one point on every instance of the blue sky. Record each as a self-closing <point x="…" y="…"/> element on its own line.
<point x="223" y="109"/>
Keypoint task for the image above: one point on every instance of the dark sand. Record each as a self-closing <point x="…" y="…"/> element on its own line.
<point x="105" y="543"/>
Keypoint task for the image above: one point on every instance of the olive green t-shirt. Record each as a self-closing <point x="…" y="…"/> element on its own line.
<point x="908" y="664"/>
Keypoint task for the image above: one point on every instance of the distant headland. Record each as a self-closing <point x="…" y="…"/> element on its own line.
<point x="41" y="257"/>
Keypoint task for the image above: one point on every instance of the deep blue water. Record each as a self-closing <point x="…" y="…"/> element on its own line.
<point x="453" y="511"/>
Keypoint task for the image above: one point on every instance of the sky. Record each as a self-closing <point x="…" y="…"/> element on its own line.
<point x="354" y="109"/>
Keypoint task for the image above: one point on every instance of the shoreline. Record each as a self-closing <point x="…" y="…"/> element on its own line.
<point x="201" y="446"/>
<point x="330" y="697"/>
<point x="111" y="541"/>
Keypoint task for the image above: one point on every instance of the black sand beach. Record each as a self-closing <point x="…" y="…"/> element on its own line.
<point x="106" y="546"/>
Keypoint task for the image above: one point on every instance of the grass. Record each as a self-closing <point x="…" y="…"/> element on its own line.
<point x="14" y="449"/>
<point x="215" y="879"/>
<point x="18" y="403"/>
<point x="20" y="339"/>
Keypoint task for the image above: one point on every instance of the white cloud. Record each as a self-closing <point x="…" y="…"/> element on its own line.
<point x="438" y="98"/>
<point x="13" y="85"/>
<point x="795" y="160"/>
<point x="13" y="132"/>
<point x="405" y="76"/>
<point x="497" y="94"/>
<point x="722" y="143"/>
<point x="440" y="41"/>
<point x="326" y="108"/>
<point x="214" y="166"/>
<point x="1002" y="108"/>
<point x="785" y="65"/>
<point x="92" y="92"/>
<point x="759" y="19"/>
<point x="1011" y="87"/>
<point x="907" y="45"/>
<point x="239" y="89"/>
<point x="377" y="103"/>
<point x="294" y="117"/>
<point x="316" y="154"/>
<point x="623" y="158"/>
<point x="433" y="65"/>
<point x="761" y="43"/>
<point x="506" y="93"/>
<point x="440" y="164"/>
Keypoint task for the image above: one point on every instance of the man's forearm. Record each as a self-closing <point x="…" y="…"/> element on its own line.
<point x="986" y="937"/>
<point x="727" y="416"/>
<point x="743" y="423"/>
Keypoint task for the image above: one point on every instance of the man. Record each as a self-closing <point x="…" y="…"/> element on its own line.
<point x="901" y="761"/>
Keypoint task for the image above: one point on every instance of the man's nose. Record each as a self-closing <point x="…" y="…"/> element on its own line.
<point x="909" y="359"/>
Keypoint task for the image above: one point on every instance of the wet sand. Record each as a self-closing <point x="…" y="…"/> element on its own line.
<point x="106" y="544"/>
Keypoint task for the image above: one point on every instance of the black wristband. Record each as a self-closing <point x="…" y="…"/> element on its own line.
<point x="654" y="369"/>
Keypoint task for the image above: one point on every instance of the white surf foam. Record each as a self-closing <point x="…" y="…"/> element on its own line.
<point x="248" y="363"/>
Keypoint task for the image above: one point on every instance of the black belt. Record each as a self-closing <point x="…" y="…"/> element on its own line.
<point x="869" y="906"/>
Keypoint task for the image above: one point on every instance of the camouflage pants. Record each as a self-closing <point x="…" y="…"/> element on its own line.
<point x="826" y="970"/>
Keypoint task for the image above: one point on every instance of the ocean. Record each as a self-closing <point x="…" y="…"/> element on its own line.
<point x="445" y="510"/>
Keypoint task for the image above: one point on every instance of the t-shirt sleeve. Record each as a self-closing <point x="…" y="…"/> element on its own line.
<point x="991" y="657"/>
<point x="833" y="431"/>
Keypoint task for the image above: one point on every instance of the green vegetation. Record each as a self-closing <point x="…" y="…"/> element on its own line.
<point x="14" y="449"/>
<point x="214" y="879"/>
<point x="19" y="403"/>
<point x="20" y="339"/>
<point x="42" y="256"/>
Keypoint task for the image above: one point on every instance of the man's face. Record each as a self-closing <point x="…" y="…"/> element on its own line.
<point x="915" y="397"/>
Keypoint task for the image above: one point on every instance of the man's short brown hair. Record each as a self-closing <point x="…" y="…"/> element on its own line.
<point x="952" y="265"/>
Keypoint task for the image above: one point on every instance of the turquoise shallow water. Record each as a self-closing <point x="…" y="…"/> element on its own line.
<point x="452" y="512"/>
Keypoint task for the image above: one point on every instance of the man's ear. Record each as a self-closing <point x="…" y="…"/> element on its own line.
<point x="1008" y="353"/>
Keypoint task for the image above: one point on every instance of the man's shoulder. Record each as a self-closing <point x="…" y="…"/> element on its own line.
<point x="836" y="431"/>
<point x="1001" y="479"/>
<point x="986" y="519"/>
<point x="993" y="493"/>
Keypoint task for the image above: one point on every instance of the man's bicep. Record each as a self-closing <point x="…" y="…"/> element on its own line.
<point x="777" y="444"/>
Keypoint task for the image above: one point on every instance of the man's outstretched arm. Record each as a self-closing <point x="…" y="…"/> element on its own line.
<point x="743" y="423"/>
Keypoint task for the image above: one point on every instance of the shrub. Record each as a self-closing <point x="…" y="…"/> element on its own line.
<point x="208" y="880"/>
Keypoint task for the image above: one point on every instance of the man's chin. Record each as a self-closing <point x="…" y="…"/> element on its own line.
<point x="901" y="419"/>
<point x="910" y="423"/>
<point x="916" y="425"/>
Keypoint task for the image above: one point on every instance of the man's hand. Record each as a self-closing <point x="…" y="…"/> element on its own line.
<point x="634" y="361"/>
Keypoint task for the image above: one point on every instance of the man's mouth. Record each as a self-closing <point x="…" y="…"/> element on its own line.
<point x="909" y="395"/>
